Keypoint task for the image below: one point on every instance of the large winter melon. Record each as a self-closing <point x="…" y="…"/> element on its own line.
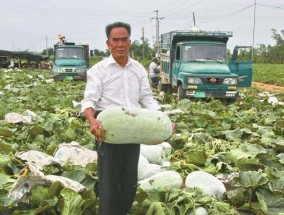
<point x="135" y="125"/>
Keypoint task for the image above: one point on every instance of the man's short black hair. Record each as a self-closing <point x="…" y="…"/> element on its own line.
<point x="117" y="25"/>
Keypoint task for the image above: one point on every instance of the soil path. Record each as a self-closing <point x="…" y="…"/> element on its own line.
<point x="268" y="87"/>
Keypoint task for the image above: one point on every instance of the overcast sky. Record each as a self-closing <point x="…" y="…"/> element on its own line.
<point x="33" y="24"/>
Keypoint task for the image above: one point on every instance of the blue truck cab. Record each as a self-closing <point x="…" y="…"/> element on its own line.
<point x="70" y="62"/>
<point x="195" y="65"/>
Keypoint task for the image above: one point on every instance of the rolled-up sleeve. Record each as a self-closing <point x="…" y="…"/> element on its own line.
<point x="146" y="98"/>
<point x="93" y="90"/>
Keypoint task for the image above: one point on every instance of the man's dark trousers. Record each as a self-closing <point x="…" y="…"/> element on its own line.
<point x="117" y="171"/>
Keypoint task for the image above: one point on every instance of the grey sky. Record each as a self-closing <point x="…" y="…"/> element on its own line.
<point x="29" y="24"/>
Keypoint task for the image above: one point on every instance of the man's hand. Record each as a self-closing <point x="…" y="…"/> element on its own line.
<point x="96" y="128"/>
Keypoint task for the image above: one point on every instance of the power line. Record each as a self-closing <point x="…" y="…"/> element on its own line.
<point x="184" y="8"/>
<point x="230" y="14"/>
<point x="270" y="6"/>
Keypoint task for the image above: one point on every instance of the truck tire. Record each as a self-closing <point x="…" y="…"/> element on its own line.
<point x="180" y="93"/>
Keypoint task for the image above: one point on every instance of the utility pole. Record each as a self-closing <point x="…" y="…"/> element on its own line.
<point x="253" y="27"/>
<point x="194" y="24"/>
<point x="157" y="44"/>
<point x="46" y="46"/>
<point x="143" y="44"/>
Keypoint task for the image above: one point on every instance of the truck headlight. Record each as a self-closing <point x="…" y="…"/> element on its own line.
<point x="80" y="70"/>
<point x="193" y="80"/>
<point x="230" y="81"/>
<point x="57" y="70"/>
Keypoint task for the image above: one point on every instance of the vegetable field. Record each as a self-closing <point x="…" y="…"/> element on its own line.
<point x="240" y="143"/>
<point x="269" y="73"/>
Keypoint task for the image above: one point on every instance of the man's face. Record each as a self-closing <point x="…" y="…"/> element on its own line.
<point x="119" y="42"/>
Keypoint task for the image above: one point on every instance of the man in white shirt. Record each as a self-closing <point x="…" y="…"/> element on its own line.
<point x="116" y="81"/>
<point x="154" y="72"/>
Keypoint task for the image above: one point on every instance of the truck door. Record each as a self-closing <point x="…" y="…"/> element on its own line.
<point x="176" y="66"/>
<point x="241" y="64"/>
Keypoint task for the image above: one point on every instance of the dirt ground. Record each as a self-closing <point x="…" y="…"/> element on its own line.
<point x="268" y="87"/>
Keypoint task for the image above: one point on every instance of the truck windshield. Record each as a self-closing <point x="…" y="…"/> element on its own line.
<point x="203" y="53"/>
<point x="76" y="53"/>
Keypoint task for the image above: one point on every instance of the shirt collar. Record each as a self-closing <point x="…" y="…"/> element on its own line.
<point x="110" y="60"/>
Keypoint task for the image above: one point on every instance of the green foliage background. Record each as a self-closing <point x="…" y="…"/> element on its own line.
<point x="269" y="73"/>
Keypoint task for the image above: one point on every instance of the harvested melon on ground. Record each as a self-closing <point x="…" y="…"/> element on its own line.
<point x="167" y="148"/>
<point x="199" y="211"/>
<point x="162" y="180"/>
<point x="154" y="153"/>
<point x="208" y="183"/>
<point x="148" y="170"/>
<point x="134" y="125"/>
<point x="142" y="160"/>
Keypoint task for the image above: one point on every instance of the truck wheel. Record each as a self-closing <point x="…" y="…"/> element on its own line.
<point x="180" y="93"/>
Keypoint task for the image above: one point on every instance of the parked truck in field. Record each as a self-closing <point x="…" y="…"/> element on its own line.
<point x="194" y="64"/>
<point x="71" y="61"/>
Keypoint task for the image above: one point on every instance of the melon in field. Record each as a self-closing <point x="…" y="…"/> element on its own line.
<point x="148" y="170"/>
<point x="199" y="211"/>
<point x="163" y="180"/>
<point x="208" y="183"/>
<point x="154" y="153"/>
<point x="134" y="125"/>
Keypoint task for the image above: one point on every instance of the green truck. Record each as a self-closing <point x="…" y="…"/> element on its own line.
<point x="194" y="64"/>
<point x="71" y="61"/>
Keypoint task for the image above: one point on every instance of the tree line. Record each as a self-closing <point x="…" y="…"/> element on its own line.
<point x="270" y="53"/>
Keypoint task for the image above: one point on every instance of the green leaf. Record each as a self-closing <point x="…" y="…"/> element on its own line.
<point x="5" y="201"/>
<point x="5" y="147"/>
<point x="35" y="130"/>
<point x="281" y="157"/>
<point x="271" y="204"/>
<point x="241" y="157"/>
<point x="158" y="208"/>
<point x="45" y="194"/>
<point x="276" y="173"/>
<point x="5" y="159"/>
<point x="183" y="203"/>
<point x="238" y="196"/>
<point x="73" y="202"/>
<point x="223" y="207"/>
<point x="201" y="122"/>
<point x="277" y="186"/>
<point x="196" y="157"/>
<point x="251" y="179"/>
<point x="6" y="182"/>
<point x="5" y="132"/>
<point x="279" y="144"/>
<point x="233" y="135"/>
<point x="81" y="177"/>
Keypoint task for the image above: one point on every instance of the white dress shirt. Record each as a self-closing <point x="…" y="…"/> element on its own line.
<point x="152" y="67"/>
<point x="110" y="85"/>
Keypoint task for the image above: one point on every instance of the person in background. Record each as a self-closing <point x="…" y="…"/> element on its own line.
<point x="116" y="81"/>
<point x="12" y="64"/>
<point x="153" y="72"/>
<point x="62" y="39"/>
